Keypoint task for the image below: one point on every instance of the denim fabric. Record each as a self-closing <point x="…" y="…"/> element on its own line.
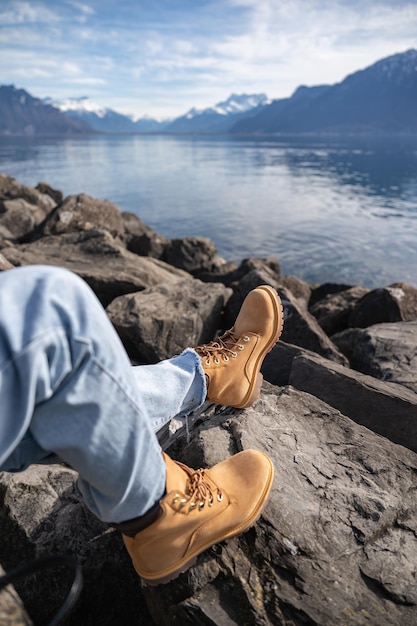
<point x="68" y="391"/>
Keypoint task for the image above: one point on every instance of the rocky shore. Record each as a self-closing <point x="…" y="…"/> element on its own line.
<point x="337" y="543"/>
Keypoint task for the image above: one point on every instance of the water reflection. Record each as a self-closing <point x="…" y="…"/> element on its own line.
<point x="315" y="204"/>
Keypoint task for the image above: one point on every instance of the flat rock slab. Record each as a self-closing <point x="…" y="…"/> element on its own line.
<point x="338" y="528"/>
<point x="100" y="260"/>
<point x="386" y="408"/>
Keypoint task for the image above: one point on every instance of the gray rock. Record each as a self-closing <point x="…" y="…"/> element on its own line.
<point x="55" y="194"/>
<point x="162" y="321"/>
<point x="11" y="189"/>
<point x="334" y="310"/>
<point x="4" y="264"/>
<point x="386" y="351"/>
<point x="192" y="254"/>
<point x="83" y="213"/>
<point x="230" y="273"/>
<point x="12" y="611"/>
<point x="142" y="239"/>
<point x="102" y="262"/>
<point x="41" y="514"/>
<point x="342" y="504"/>
<point x="299" y="288"/>
<point x="395" y="303"/>
<point x="386" y="408"/>
<point x="300" y="327"/>
<point x="21" y="208"/>
<point x="335" y="545"/>
<point x="276" y="368"/>
<point x="322" y="291"/>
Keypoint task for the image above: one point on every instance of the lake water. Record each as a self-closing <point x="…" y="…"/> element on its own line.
<point x="341" y="210"/>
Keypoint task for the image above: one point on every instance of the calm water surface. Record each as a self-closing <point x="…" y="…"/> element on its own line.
<point x="329" y="210"/>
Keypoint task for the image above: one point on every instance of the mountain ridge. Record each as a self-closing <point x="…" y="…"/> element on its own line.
<point x="379" y="98"/>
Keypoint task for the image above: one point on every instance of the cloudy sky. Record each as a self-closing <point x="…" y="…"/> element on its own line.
<point x="162" y="57"/>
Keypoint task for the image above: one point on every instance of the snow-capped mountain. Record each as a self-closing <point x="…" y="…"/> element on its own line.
<point x="22" y="114"/>
<point x="103" y="119"/>
<point x="81" y="105"/>
<point x="221" y="117"/>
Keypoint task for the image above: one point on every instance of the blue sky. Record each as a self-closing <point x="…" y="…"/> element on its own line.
<point x="162" y="57"/>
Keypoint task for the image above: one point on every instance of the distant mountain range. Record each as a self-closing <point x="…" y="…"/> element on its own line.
<point x="105" y="120"/>
<point x="380" y="98"/>
<point x="217" y="119"/>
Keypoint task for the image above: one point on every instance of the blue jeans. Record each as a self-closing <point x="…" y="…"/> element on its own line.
<point x="68" y="391"/>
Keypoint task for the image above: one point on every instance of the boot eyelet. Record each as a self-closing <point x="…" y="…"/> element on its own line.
<point x="219" y="497"/>
<point x="183" y="501"/>
<point x="225" y="358"/>
<point x="192" y="505"/>
<point x="234" y="354"/>
<point x="207" y="361"/>
<point x="240" y="346"/>
<point x="210" y="502"/>
<point x="175" y="498"/>
<point x="216" y="361"/>
<point x="246" y="338"/>
<point x="201" y="504"/>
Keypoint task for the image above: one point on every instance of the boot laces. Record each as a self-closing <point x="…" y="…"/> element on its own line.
<point x="225" y="346"/>
<point x="201" y="490"/>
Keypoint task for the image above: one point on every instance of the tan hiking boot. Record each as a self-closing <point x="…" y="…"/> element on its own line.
<point x="233" y="361"/>
<point x="201" y="507"/>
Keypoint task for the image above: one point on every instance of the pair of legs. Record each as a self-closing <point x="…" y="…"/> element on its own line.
<point x="68" y="392"/>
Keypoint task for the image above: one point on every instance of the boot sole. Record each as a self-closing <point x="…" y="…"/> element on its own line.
<point x="255" y="387"/>
<point x="185" y="564"/>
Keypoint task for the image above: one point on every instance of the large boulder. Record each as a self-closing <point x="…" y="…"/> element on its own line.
<point x="395" y="303"/>
<point x="192" y="254"/>
<point x="100" y="260"/>
<point x="326" y="289"/>
<point x="229" y="273"/>
<point x="334" y="310"/>
<point x="41" y="514"/>
<point x="161" y="321"/>
<point x="277" y="365"/>
<point x="22" y="208"/>
<point x="298" y="287"/>
<point x="386" y="351"/>
<point x="335" y="545"/>
<point x="142" y="239"/>
<point x="83" y="213"/>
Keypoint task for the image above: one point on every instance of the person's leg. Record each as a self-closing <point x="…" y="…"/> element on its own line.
<point x="172" y="388"/>
<point x="67" y="388"/>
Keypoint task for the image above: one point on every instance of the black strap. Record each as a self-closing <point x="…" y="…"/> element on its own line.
<point x="53" y="560"/>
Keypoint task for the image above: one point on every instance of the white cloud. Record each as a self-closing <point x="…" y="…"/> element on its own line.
<point x="158" y="58"/>
<point x="24" y="12"/>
